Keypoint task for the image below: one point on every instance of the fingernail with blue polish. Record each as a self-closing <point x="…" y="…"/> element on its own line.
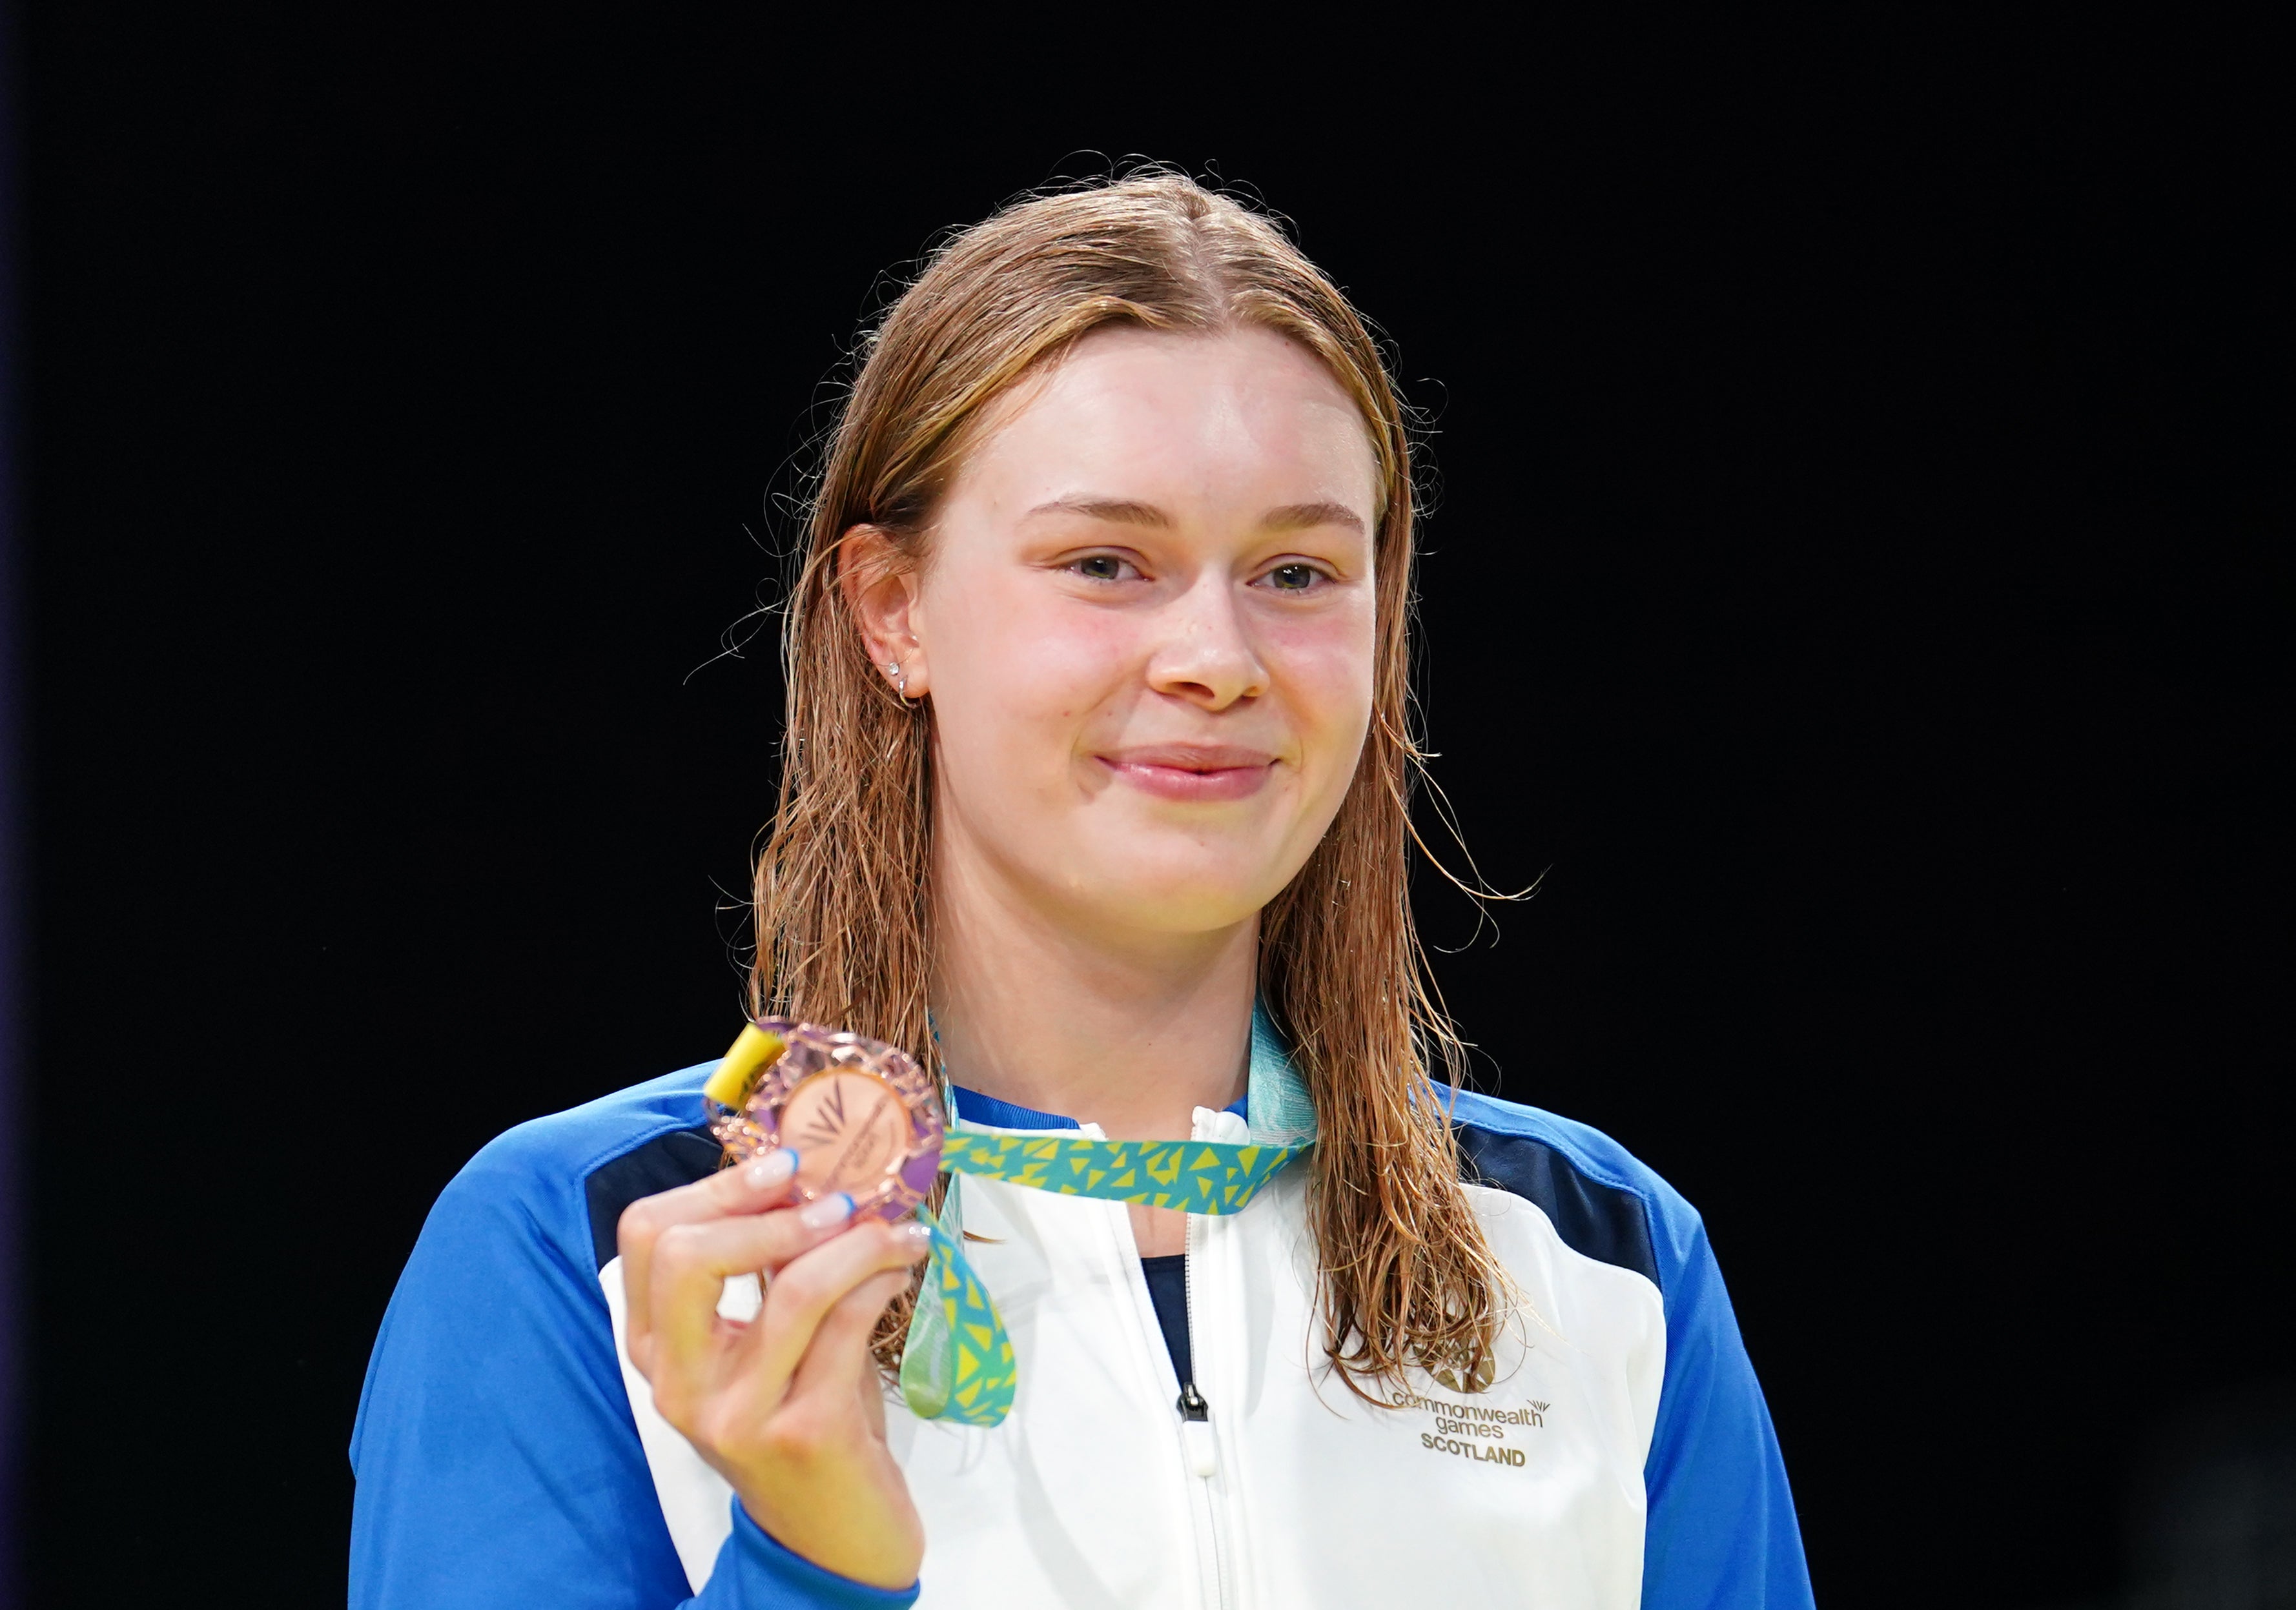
<point x="828" y="1211"/>
<point x="773" y="1168"/>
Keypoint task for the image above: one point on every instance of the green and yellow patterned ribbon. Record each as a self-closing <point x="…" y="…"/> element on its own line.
<point x="1193" y="1176"/>
<point x="957" y="1364"/>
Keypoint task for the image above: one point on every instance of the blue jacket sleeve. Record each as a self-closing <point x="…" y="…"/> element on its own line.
<point x="1722" y="1534"/>
<point x="498" y="1463"/>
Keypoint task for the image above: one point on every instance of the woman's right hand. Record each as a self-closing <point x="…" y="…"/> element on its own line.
<point x="788" y="1406"/>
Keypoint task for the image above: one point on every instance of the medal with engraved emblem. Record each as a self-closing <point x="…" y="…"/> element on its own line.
<point x="863" y="1118"/>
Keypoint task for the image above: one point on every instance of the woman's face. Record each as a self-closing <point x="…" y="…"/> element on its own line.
<point x="1146" y="625"/>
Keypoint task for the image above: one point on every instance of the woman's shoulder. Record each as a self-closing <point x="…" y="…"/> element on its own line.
<point x="570" y="1174"/>
<point x="1604" y="1202"/>
<point x="495" y="1407"/>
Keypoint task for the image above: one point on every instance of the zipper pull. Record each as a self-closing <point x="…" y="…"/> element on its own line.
<point x="1196" y="1432"/>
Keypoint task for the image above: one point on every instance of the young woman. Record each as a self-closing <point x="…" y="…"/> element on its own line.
<point x="1096" y="759"/>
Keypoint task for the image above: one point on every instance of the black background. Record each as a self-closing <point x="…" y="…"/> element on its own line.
<point x="1852" y="586"/>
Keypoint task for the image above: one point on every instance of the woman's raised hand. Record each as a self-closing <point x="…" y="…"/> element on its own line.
<point x="787" y="1406"/>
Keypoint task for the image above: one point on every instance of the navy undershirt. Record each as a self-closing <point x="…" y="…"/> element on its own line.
<point x="1167" y="1288"/>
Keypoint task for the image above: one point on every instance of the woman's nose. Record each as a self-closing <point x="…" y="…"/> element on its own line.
<point x="1207" y="655"/>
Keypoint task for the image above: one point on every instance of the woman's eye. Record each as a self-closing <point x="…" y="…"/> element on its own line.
<point x="1293" y="578"/>
<point x="1103" y="568"/>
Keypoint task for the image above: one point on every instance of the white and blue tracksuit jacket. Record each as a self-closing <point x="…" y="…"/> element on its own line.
<point x="1621" y="1456"/>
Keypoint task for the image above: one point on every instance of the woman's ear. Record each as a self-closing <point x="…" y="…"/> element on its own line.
<point x="881" y="589"/>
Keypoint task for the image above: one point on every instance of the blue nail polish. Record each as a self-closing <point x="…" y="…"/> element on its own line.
<point x="773" y="1169"/>
<point x="828" y="1211"/>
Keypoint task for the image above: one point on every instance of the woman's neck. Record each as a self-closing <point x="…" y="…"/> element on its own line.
<point x="1132" y="1032"/>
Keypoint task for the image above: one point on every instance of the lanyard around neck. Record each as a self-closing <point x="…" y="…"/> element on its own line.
<point x="957" y="1363"/>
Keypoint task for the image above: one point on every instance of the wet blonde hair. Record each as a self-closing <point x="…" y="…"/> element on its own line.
<point x="843" y="885"/>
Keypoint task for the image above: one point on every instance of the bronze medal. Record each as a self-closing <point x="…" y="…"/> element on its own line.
<point x="863" y="1118"/>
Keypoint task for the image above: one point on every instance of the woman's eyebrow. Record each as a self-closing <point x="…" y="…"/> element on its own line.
<point x="1299" y="517"/>
<point x="1119" y="511"/>
<point x="1124" y="511"/>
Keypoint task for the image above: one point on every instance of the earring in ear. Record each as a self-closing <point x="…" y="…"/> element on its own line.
<point x="900" y="681"/>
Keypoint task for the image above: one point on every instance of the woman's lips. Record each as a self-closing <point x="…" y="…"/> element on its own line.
<point x="1203" y="775"/>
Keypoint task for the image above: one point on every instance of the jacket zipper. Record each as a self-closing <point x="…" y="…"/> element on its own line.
<point x="1196" y="1420"/>
<point x="1195" y="1414"/>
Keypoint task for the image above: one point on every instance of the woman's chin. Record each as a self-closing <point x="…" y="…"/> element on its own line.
<point x="1205" y="904"/>
<point x="1160" y="876"/>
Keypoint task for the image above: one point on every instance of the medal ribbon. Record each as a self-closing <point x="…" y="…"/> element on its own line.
<point x="957" y="1364"/>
